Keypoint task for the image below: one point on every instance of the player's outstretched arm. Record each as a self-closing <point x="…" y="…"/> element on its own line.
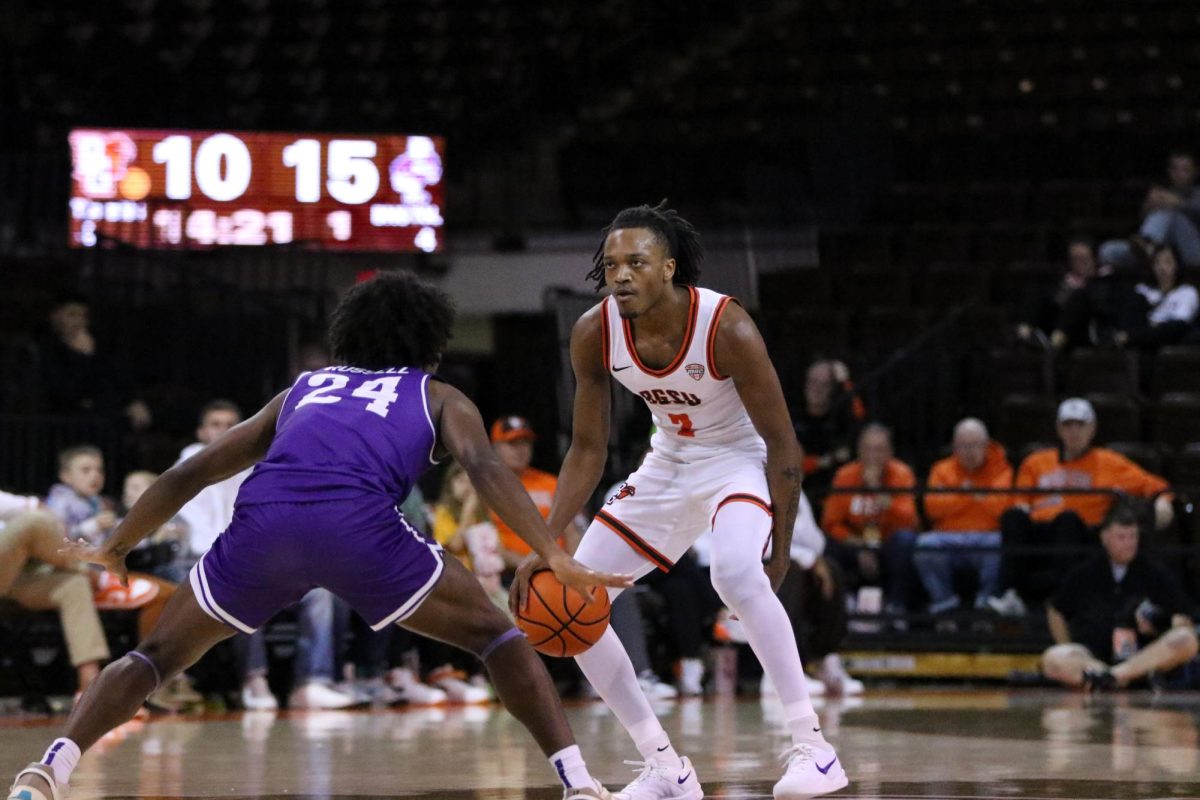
<point x="242" y="446"/>
<point x="461" y="432"/>
<point x="584" y="465"/>
<point x="742" y="355"/>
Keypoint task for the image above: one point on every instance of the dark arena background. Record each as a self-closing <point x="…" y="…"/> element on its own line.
<point x="945" y="218"/>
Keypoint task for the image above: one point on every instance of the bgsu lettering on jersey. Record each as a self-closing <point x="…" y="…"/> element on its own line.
<point x="669" y="397"/>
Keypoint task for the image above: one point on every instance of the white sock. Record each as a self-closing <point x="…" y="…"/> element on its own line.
<point x="739" y="578"/>
<point x="61" y="757"/>
<point x="607" y="667"/>
<point x="804" y="727"/>
<point x="653" y="743"/>
<point x="568" y="763"/>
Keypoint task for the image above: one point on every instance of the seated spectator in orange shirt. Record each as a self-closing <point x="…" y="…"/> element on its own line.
<point x="964" y="522"/>
<point x="1066" y="520"/>
<point x="513" y="439"/>
<point x="871" y="535"/>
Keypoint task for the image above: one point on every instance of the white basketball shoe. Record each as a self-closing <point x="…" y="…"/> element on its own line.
<point x="812" y="770"/>
<point x="659" y="781"/>
<point x="596" y="792"/>
<point x="36" y="774"/>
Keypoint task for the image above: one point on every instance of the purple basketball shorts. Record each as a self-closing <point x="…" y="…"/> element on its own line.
<point x="362" y="550"/>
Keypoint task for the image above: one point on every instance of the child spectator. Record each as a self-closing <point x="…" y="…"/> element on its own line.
<point x="76" y="500"/>
<point x="87" y="515"/>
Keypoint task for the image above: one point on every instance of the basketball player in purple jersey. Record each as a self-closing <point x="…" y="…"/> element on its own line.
<point x="724" y="459"/>
<point x="336" y="454"/>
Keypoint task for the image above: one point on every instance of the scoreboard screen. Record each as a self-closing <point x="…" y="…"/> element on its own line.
<point x="164" y="189"/>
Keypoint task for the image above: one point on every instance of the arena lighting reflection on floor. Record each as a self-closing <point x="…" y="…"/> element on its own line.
<point x="897" y="744"/>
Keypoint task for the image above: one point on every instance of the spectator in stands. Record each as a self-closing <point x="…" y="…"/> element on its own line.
<point x="79" y="380"/>
<point x="388" y="666"/>
<point x="828" y="423"/>
<point x="1119" y="616"/>
<point x="1062" y="316"/>
<point x="207" y="515"/>
<point x="1170" y="216"/>
<point x="35" y="575"/>
<point x="76" y="499"/>
<point x="1066" y="520"/>
<point x="691" y="605"/>
<point x="88" y="515"/>
<point x="210" y="511"/>
<point x="966" y="520"/>
<point x="462" y="525"/>
<point x="158" y="554"/>
<point x="814" y="595"/>
<point x="513" y="439"/>
<point x="872" y="533"/>
<point x="1161" y="312"/>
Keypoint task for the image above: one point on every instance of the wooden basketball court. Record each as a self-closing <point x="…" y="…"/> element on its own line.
<point x="904" y="743"/>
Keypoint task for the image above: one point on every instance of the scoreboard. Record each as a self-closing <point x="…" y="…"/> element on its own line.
<point x="170" y="189"/>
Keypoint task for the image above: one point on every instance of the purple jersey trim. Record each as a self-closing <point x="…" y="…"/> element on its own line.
<point x="429" y="417"/>
<point x="211" y="607"/>
<point x="288" y="394"/>
<point x="409" y="608"/>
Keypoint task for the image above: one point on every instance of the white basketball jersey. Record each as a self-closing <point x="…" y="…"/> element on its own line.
<point x="696" y="409"/>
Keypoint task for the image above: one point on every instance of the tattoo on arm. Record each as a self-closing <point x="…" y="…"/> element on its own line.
<point x="794" y="475"/>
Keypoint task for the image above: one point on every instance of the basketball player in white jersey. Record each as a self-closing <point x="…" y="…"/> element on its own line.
<point x="724" y="458"/>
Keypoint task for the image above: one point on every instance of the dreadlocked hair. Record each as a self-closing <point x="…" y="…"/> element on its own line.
<point x="392" y="320"/>
<point x="676" y="233"/>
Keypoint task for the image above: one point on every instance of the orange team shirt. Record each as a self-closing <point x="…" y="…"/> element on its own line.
<point x="966" y="512"/>
<point x="541" y="487"/>
<point x="846" y="515"/>
<point x="1098" y="467"/>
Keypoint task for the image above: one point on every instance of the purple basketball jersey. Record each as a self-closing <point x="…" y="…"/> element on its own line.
<point x="344" y="432"/>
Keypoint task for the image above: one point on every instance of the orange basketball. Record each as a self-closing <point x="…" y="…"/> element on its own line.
<point x="559" y="621"/>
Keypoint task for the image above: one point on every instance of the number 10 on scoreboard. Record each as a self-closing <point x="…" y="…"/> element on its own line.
<point x="222" y="168"/>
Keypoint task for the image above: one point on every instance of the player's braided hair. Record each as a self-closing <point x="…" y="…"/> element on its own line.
<point x="676" y="233"/>
<point x="392" y="320"/>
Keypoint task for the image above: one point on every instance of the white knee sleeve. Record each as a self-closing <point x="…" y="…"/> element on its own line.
<point x="737" y="571"/>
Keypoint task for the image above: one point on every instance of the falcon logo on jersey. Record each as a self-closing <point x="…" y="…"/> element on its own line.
<point x="695" y="370"/>
<point x="668" y="397"/>
<point x="626" y="490"/>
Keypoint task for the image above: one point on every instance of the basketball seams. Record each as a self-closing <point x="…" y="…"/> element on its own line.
<point x="533" y="588"/>
<point x="544" y="643"/>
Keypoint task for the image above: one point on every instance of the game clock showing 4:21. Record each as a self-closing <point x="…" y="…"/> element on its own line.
<point x="189" y="189"/>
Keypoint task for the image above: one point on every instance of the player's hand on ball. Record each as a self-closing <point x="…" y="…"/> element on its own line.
<point x="97" y="554"/>
<point x="518" y="593"/>
<point x="578" y="577"/>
